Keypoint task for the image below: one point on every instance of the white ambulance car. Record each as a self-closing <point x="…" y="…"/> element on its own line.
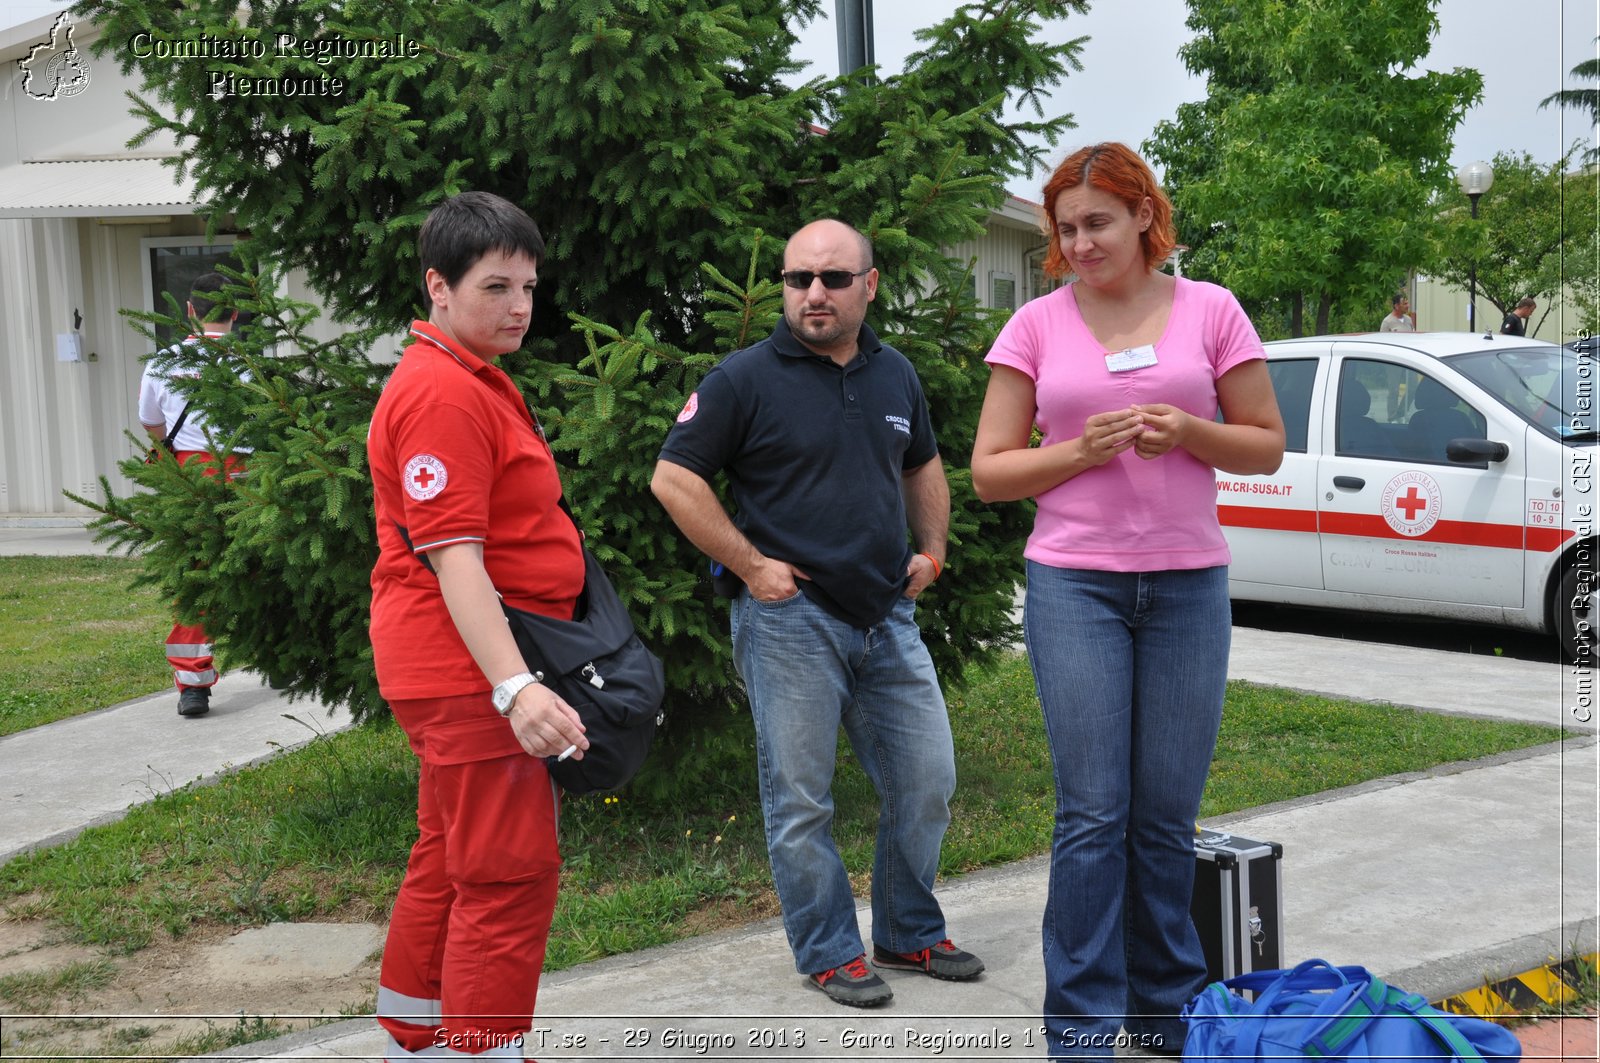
<point x="1436" y="474"/>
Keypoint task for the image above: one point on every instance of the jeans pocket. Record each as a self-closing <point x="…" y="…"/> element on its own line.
<point x="780" y="602"/>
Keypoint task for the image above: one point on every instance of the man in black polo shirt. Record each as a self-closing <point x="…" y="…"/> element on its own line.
<point x="824" y="434"/>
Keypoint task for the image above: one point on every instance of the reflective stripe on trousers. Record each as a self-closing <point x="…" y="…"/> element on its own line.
<point x="189" y="653"/>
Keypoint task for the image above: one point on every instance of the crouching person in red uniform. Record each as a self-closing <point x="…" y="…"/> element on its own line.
<point x="466" y="497"/>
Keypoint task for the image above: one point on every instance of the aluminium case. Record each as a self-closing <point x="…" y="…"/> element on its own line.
<point x="1237" y="904"/>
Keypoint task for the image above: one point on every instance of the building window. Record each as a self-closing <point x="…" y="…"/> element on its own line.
<point x="1002" y="290"/>
<point x="172" y="265"/>
<point x="1038" y="280"/>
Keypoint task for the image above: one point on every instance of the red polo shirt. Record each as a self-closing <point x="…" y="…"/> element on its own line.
<point x="455" y="458"/>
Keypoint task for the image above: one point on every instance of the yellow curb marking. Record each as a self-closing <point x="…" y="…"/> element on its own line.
<point x="1551" y="984"/>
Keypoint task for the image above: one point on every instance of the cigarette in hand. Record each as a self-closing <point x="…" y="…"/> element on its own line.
<point x="565" y="753"/>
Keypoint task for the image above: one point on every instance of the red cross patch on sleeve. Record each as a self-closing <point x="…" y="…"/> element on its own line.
<point x="425" y="477"/>
<point x="690" y="408"/>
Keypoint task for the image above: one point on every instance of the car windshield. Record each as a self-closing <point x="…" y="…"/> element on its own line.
<point x="1553" y="388"/>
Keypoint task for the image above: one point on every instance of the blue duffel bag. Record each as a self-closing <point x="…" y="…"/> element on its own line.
<point x="1320" y="1011"/>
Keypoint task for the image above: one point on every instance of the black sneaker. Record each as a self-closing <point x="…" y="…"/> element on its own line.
<point x="853" y="984"/>
<point x="943" y="960"/>
<point x="194" y="701"/>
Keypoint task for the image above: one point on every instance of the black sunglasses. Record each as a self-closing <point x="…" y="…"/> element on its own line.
<point x="831" y="278"/>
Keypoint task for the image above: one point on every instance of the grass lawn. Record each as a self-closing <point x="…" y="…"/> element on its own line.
<point x="324" y="832"/>
<point x="74" y="638"/>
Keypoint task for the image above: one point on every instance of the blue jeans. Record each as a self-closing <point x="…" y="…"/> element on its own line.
<point x="1131" y="669"/>
<point x="807" y="673"/>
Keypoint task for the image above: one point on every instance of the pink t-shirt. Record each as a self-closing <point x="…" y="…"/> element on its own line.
<point x="1130" y="514"/>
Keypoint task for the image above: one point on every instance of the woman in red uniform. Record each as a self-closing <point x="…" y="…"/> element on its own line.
<point x="466" y="496"/>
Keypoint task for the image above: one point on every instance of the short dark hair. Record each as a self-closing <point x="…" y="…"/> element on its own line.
<point x="1526" y="300"/>
<point x="468" y="226"/>
<point x="202" y="296"/>
<point x="1397" y="297"/>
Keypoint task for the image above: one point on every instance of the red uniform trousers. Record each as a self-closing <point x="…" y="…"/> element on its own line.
<point x="188" y="645"/>
<point x="467" y="936"/>
<point x="189" y="653"/>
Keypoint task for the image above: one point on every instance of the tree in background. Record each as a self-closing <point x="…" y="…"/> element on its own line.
<point x="661" y="154"/>
<point x="1585" y="99"/>
<point x="1189" y="147"/>
<point x="1308" y="174"/>
<point x="1535" y="234"/>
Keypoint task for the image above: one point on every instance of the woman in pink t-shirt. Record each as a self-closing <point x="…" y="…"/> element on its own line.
<point x="1127" y="620"/>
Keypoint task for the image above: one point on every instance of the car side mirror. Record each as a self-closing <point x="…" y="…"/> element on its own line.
<point x="1475" y="450"/>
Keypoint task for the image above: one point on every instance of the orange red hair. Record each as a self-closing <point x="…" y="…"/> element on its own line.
<point x="1117" y="170"/>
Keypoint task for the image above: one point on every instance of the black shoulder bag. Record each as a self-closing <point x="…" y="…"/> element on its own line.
<point x="597" y="663"/>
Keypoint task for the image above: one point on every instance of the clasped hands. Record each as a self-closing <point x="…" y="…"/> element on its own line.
<point x="1151" y="429"/>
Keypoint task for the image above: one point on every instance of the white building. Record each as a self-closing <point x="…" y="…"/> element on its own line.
<point x="89" y="226"/>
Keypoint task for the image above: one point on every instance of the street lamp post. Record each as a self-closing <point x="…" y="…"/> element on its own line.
<point x="1474" y="180"/>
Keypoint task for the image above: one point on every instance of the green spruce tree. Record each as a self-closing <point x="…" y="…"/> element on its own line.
<point x="665" y="159"/>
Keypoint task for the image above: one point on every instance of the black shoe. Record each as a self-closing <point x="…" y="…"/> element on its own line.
<point x="943" y="960"/>
<point x="194" y="701"/>
<point x="853" y="984"/>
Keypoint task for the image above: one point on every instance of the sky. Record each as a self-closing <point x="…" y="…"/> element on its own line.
<point x="1132" y="76"/>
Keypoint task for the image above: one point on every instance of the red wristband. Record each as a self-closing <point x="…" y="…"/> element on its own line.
<point x="938" y="569"/>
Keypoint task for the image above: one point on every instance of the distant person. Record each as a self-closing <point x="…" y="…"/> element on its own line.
<point x="830" y="454"/>
<point x="170" y="418"/>
<point x="1400" y="318"/>
<point x="467" y="501"/>
<point x="1516" y="322"/>
<point x="1126" y="618"/>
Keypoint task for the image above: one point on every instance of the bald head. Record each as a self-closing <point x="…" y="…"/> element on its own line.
<point x="830" y="232"/>
<point x="828" y="320"/>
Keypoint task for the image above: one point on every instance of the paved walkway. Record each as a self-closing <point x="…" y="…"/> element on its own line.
<point x="59" y="779"/>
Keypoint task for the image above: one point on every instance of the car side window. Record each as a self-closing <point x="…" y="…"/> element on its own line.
<point x="1390" y="411"/>
<point x="1292" y="379"/>
<point x="1439" y="415"/>
<point x="1371" y="395"/>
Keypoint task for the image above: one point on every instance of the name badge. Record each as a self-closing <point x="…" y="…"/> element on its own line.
<point x="1132" y="358"/>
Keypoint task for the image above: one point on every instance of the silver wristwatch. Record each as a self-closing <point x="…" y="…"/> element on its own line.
<point x="505" y="694"/>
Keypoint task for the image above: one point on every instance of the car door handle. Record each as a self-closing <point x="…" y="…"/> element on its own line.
<point x="1354" y="483"/>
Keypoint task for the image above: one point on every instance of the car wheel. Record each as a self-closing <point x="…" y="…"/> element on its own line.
<point x="1574" y="614"/>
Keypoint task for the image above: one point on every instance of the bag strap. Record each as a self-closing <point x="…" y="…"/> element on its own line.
<point x="170" y="439"/>
<point x="1333" y="1026"/>
<point x="1391" y="1003"/>
<point x="1382" y="1002"/>
<point x="1311" y="974"/>
<point x="1435" y="1023"/>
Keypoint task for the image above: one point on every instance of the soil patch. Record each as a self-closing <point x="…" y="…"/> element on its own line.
<point x="199" y="993"/>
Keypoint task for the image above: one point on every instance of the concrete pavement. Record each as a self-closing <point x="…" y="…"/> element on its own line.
<point x="1434" y="881"/>
<point x="53" y="538"/>
<point x="58" y="780"/>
